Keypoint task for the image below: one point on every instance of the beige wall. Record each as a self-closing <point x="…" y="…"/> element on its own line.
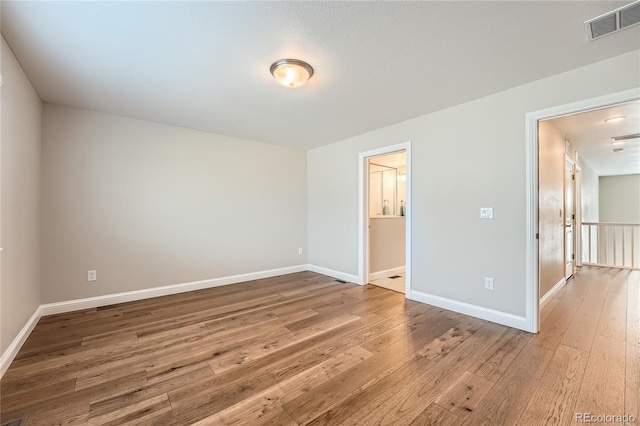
<point x="551" y="205"/>
<point x="148" y="205"/>
<point x="590" y="192"/>
<point x="465" y="157"/>
<point x="20" y="193"/>
<point x="386" y="243"/>
<point x="620" y="198"/>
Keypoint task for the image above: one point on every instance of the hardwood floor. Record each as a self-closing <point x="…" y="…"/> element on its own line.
<point x="305" y="349"/>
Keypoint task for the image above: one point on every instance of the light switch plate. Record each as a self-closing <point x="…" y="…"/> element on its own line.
<point x="486" y="212"/>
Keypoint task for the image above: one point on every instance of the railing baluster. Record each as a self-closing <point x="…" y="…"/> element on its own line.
<point x="600" y="242"/>
<point x="633" y="253"/>
<point x="606" y="245"/>
<point x="624" y="258"/>
<point x="590" y="261"/>
<point x="615" y="231"/>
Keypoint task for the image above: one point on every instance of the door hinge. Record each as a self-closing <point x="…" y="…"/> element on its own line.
<point x="573" y="257"/>
<point x="573" y="177"/>
<point x="537" y="236"/>
<point x="573" y="216"/>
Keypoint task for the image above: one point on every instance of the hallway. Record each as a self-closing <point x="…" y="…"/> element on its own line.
<point x="593" y="325"/>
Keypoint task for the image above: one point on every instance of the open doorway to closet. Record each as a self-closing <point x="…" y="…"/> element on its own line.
<point x="385" y="217"/>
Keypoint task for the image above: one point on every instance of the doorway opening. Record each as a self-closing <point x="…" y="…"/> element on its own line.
<point x="558" y="170"/>
<point x="385" y="218"/>
<point x="387" y="215"/>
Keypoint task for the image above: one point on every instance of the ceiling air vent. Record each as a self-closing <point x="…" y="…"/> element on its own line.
<point x="613" y="21"/>
<point x="630" y="15"/>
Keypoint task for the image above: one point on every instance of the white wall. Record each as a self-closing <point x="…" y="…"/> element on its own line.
<point x="465" y="157"/>
<point x="20" y="194"/>
<point x="387" y="244"/>
<point x="590" y="192"/>
<point x="620" y="198"/>
<point x="148" y="205"/>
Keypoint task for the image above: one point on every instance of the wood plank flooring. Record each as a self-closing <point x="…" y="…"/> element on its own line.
<point x="304" y="349"/>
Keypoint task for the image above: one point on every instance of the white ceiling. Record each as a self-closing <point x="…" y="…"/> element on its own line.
<point x="592" y="137"/>
<point x="205" y="65"/>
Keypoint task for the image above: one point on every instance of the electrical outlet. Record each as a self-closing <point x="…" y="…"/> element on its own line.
<point x="488" y="283"/>
<point x="300" y="251"/>
<point x="91" y="275"/>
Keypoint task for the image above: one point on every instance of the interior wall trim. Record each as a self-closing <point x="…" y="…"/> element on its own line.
<point x="554" y="290"/>
<point x="350" y="278"/>
<point x="130" y="296"/>
<point x="504" y="318"/>
<point x="9" y="355"/>
<point x="386" y="273"/>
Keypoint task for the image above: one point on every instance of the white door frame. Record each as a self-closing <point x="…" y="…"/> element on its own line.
<point x="363" y="212"/>
<point x="532" y="119"/>
<point x="578" y="202"/>
<point x="569" y="160"/>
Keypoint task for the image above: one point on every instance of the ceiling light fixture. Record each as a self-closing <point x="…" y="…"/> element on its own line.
<point x="291" y="72"/>
<point x="614" y="119"/>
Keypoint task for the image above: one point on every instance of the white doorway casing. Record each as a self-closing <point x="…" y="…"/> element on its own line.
<point x="532" y="255"/>
<point x="570" y="222"/>
<point x="578" y="198"/>
<point x="363" y="212"/>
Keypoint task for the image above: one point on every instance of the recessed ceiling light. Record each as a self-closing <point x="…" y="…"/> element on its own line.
<point x="291" y="72"/>
<point x="614" y="119"/>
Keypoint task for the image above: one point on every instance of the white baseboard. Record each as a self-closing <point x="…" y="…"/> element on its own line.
<point x="130" y="296"/>
<point x="386" y="273"/>
<point x="492" y="315"/>
<point x="335" y="274"/>
<point x="13" y="349"/>
<point x="554" y="290"/>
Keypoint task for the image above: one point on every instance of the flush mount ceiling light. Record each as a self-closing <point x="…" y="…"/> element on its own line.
<point x="291" y="72"/>
<point x="614" y="119"/>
